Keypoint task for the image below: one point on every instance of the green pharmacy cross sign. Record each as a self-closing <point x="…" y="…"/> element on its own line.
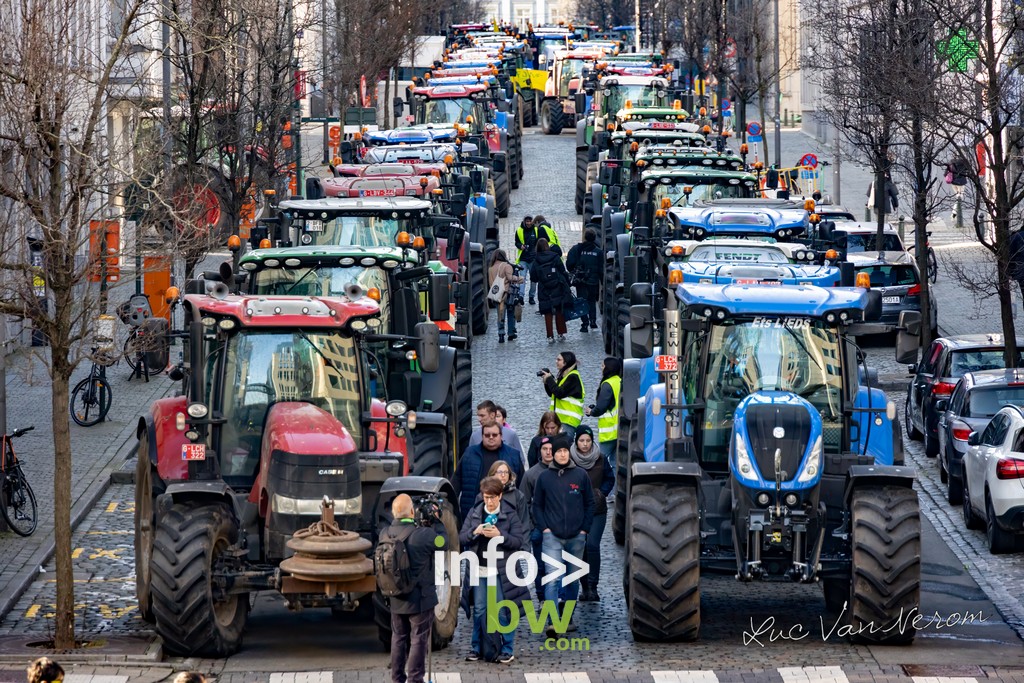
<point x="958" y="49"/>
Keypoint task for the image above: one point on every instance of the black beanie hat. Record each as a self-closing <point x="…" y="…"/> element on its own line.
<point x="584" y="429"/>
<point x="559" y="442"/>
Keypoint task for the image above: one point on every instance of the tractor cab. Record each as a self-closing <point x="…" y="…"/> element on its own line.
<point x="369" y="221"/>
<point x="613" y="92"/>
<point x="382" y="185"/>
<point x="450" y="104"/>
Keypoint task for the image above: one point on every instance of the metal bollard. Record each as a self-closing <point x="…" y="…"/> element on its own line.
<point x="901" y="224"/>
<point x="959" y="211"/>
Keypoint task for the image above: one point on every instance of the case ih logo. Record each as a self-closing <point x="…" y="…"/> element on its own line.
<point x="330" y="473"/>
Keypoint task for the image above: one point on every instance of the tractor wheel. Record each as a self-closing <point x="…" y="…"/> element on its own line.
<point x="588" y="206"/>
<point x="188" y="545"/>
<point x="145" y="519"/>
<point x="581" y="178"/>
<point x="501" y="193"/>
<point x="621" y="320"/>
<point x="663" y="586"/>
<point x="429" y="451"/>
<point x="463" y="383"/>
<point x="515" y="160"/>
<point x="551" y="117"/>
<point x="886" y="545"/>
<point x="478" y="287"/>
<point x="623" y="461"/>
<point x="912" y="431"/>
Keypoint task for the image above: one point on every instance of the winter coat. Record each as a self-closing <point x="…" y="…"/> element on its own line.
<point x="473" y="466"/>
<point x="512" y="540"/>
<point x="504" y="270"/>
<point x="891" y="201"/>
<point x="563" y="501"/>
<point x="602" y="479"/>
<point x="518" y="500"/>
<point x="529" y="485"/>
<point x="420" y="545"/>
<point x="552" y="280"/>
<point x="509" y="437"/>
<point x="587" y="261"/>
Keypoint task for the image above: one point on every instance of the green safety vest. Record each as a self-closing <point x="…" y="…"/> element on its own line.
<point x="608" y="423"/>
<point x="551" y="236"/>
<point x="569" y="409"/>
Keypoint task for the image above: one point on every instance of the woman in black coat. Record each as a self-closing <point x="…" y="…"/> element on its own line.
<point x="490" y="518"/>
<point x="553" y="287"/>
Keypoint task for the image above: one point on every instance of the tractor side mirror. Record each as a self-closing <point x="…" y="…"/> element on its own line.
<point x="477" y="178"/>
<point x="227" y="276"/>
<point x="498" y="163"/>
<point x="974" y="439"/>
<point x="439" y="296"/>
<point x="429" y="351"/>
<point x="503" y="106"/>
<point x="456" y="235"/>
<point x="908" y="337"/>
<point x="398" y="104"/>
<point x="314" y="188"/>
<point x="641" y="331"/>
<point x="639" y="293"/>
<point x="510" y="90"/>
<point x="614" y="195"/>
<point x="580" y="101"/>
<point x="825" y="229"/>
<point x="458" y="204"/>
<point x="847" y="274"/>
<point x="607" y="172"/>
<point x="942" y="405"/>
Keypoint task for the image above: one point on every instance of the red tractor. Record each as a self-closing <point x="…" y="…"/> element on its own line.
<point x="282" y="409"/>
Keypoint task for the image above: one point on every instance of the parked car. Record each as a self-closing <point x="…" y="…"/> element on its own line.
<point x="977" y="397"/>
<point x="895" y="275"/>
<point x="943" y="364"/>
<point x="851" y="237"/>
<point x="994" y="480"/>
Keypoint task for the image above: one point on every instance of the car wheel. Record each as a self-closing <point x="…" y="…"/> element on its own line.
<point x="931" y="446"/>
<point x="912" y="432"/>
<point x="943" y="472"/>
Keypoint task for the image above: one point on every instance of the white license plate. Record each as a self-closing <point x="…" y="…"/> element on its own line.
<point x="193" y="451"/>
<point x="891" y="299"/>
<point x="314" y="226"/>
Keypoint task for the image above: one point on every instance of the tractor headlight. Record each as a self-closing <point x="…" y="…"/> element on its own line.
<point x="283" y="505"/>
<point x="813" y="465"/>
<point x="744" y="466"/>
<point x="198" y="410"/>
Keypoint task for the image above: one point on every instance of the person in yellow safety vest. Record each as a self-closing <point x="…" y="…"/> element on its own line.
<point x="606" y="409"/>
<point x="566" y="392"/>
<point x="526" y="238"/>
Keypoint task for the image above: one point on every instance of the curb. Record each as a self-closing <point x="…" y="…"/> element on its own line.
<point x="151" y="658"/>
<point x="82" y="508"/>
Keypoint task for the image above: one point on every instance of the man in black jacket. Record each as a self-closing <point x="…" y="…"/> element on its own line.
<point x="412" y="614"/>
<point x="585" y="264"/>
<point x="563" y="508"/>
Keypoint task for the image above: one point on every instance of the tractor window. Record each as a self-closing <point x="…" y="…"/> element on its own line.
<point x="448" y="110"/>
<point x="638" y="95"/>
<point x="676" y="193"/>
<point x="366" y="231"/>
<point x="325" y="281"/>
<point x="794" y="355"/>
<point x="264" y="368"/>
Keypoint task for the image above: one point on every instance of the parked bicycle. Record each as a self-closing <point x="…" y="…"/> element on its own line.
<point x="91" y="397"/>
<point x="17" y="501"/>
<point x="933" y="263"/>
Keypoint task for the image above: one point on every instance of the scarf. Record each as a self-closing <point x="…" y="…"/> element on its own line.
<point x="585" y="460"/>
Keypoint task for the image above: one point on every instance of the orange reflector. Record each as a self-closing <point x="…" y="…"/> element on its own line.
<point x="265" y="243"/>
<point x="641" y="163"/>
<point x="171" y="294"/>
<point x="634" y="147"/>
<point x="744" y="149"/>
<point x="677" y="250"/>
<point x="706" y="130"/>
<point x="687" y="189"/>
<point x="814" y="218"/>
<point x="660" y="213"/>
<point x="403" y="239"/>
<point x="423" y="182"/>
<point x="863" y="280"/>
<point x="666" y="202"/>
<point x="629" y="104"/>
<point x="610" y="127"/>
<point x="809" y="205"/>
<point x="437" y="191"/>
<point x="675" y="277"/>
<point x="358" y="137"/>
<point x="448" y="159"/>
<point x="703" y="111"/>
<point x="469" y="119"/>
<point x="234" y="242"/>
<point x="676" y="104"/>
<point x="418" y="243"/>
<point x="269" y="193"/>
<point x="436" y="173"/>
<point x="832" y="255"/>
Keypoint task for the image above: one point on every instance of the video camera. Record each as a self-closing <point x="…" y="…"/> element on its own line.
<point x="428" y="509"/>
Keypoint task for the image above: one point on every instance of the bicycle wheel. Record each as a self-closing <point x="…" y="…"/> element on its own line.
<point x="18" y="503"/>
<point x="130" y="348"/>
<point x="90" y="401"/>
<point x="933" y="266"/>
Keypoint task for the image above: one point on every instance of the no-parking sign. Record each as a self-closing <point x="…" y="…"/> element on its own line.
<point x="809" y="161"/>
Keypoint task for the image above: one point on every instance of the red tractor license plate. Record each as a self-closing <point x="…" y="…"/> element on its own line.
<point x="663" y="125"/>
<point x="664" y="363"/>
<point x="377" y="193"/>
<point x="193" y="451"/>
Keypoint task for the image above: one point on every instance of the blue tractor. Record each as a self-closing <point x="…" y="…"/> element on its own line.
<point x="764" y="453"/>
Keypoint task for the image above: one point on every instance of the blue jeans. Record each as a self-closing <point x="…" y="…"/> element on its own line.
<point x="506" y="312"/>
<point x="608" y="449"/>
<point x="508" y="640"/>
<point x="553" y="546"/>
<point x="592" y="553"/>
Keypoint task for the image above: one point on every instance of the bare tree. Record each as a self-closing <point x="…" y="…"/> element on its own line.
<point x="55" y="68"/>
<point x="606" y="13"/>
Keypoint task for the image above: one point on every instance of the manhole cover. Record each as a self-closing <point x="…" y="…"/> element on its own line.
<point x="952" y="670"/>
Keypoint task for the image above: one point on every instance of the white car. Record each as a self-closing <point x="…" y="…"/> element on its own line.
<point x="994" y="480"/>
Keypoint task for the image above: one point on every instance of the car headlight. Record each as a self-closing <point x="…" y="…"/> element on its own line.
<point x="744" y="466"/>
<point x="284" y="505"/>
<point x="813" y="466"/>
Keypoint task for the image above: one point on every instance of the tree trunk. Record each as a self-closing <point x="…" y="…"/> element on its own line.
<point x="921" y="166"/>
<point x="64" y="633"/>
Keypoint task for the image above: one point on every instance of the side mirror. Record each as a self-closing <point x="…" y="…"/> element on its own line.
<point x="973" y="439"/>
<point x="227" y="276"/>
<point x="942" y="405"/>
<point x="639" y="293"/>
<point x="398" y="104"/>
<point x="847" y="274"/>
<point x="607" y="172"/>
<point x="908" y="337"/>
<point x="477" y="180"/>
<point x="456" y="235"/>
<point x="314" y="188"/>
<point x="510" y="90"/>
<point x="580" y="101"/>
<point x="641" y="331"/>
<point x="502" y="106"/>
<point x="429" y="351"/>
<point x="498" y="163"/>
<point x="825" y="229"/>
<point x="439" y="296"/>
<point x="614" y="195"/>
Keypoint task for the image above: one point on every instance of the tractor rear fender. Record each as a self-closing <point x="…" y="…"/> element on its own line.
<point x="435" y="384"/>
<point x="630" y="391"/>
<point x="165" y="440"/>
<point x="147" y="428"/>
<point x="878" y="475"/>
<point x="415" y="487"/>
<point x="208" y="491"/>
<point x="677" y="473"/>
<point x="622" y="244"/>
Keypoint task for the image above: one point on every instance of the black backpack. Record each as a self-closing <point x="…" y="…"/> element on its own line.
<point x="392" y="564"/>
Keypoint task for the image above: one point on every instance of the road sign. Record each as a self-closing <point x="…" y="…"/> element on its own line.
<point x="726" y="105"/>
<point x="754" y="128"/>
<point x="809" y="160"/>
<point x="754" y="138"/>
<point x="730" y="49"/>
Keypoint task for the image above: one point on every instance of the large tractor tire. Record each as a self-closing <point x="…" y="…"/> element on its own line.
<point x="621" y="320"/>
<point x="458" y="404"/>
<point x="446" y="613"/>
<point x="551" y="118"/>
<point x="522" y="159"/>
<point x="886" y="545"/>
<point x="478" y="287"/>
<point x="429" y="453"/>
<point x="663" y="591"/>
<point x="501" y="193"/>
<point x="581" y="178"/>
<point x="189" y="541"/>
<point x="515" y="160"/>
<point x="623" y="461"/>
<point x="145" y="521"/>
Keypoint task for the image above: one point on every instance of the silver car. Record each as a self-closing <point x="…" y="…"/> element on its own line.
<point x="977" y="397"/>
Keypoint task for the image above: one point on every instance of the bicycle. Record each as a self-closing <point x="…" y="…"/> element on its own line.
<point x="90" y="401"/>
<point x="17" y="501"/>
<point x="933" y="263"/>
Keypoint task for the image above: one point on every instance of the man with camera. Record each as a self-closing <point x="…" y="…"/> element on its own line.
<point x="411" y="590"/>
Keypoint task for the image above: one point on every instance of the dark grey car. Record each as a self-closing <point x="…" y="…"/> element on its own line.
<point x="894" y="274"/>
<point x="977" y="397"/>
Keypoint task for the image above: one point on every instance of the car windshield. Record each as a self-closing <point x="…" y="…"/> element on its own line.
<point x="715" y="190"/>
<point x="797" y="355"/>
<point x="366" y="231"/>
<point x="713" y="253"/>
<point x="262" y="368"/>
<point x="855" y="244"/>
<point x="890" y="276"/>
<point x="987" y="402"/>
<point x="324" y="281"/>
<point x="446" y="110"/>
<point x="962" y="362"/>
<point x="638" y="95"/>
